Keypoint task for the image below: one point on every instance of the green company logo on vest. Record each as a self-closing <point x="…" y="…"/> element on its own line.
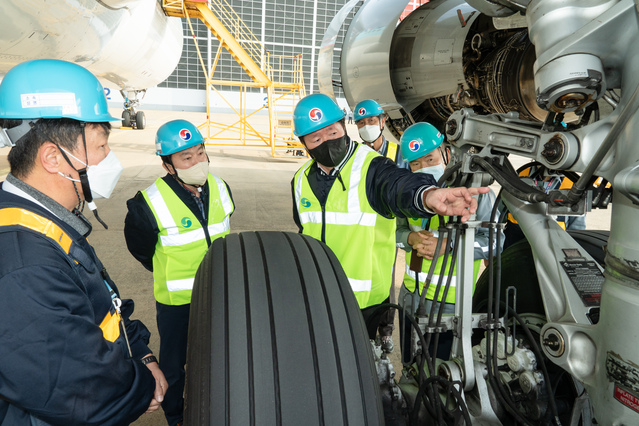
<point x="186" y="222"/>
<point x="305" y="202"/>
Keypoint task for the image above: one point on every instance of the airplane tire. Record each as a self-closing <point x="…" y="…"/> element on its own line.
<point x="518" y="269"/>
<point x="140" y="120"/>
<point x="126" y="118"/>
<point x="276" y="337"/>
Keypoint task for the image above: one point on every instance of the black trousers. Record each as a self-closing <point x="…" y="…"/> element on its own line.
<point x="382" y="320"/>
<point x="173" y="326"/>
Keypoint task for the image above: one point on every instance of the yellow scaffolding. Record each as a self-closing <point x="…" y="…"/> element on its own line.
<point x="280" y="75"/>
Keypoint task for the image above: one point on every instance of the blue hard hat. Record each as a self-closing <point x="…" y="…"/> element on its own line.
<point x="367" y="108"/>
<point x="420" y="139"/>
<point x="49" y="88"/>
<point x="175" y="136"/>
<point x="315" y="112"/>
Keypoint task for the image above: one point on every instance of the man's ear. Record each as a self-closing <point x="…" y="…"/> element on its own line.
<point x="50" y="157"/>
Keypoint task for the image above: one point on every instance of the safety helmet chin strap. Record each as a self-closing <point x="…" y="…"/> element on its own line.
<point x="84" y="181"/>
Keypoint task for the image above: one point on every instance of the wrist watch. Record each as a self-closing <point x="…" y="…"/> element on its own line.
<point x="149" y="359"/>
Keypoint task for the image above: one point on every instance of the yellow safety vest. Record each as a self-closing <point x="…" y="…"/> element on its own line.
<point x="182" y="244"/>
<point x="391" y="152"/>
<point x="409" y="276"/>
<point x="362" y="240"/>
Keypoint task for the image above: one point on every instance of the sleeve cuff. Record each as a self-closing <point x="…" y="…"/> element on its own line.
<point x="419" y="199"/>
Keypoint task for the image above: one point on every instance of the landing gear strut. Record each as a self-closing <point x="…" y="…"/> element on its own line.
<point x="131" y="117"/>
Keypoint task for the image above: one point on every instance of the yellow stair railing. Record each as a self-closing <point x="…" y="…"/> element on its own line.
<point x="281" y="76"/>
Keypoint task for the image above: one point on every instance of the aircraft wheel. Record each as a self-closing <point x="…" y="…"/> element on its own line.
<point x="126" y="118"/>
<point x="140" y="120"/>
<point x="276" y="337"/>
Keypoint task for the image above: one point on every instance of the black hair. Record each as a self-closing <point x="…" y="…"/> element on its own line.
<point x="63" y="132"/>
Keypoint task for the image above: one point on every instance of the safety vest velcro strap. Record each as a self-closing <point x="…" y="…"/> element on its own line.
<point x="337" y="218"/>
<point x="423" y="275"/>
<point x="174" y="239"/>
<point x="360" y="285"/>
<point x="178" y="285"/>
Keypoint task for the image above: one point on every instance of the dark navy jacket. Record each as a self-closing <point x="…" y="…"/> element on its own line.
<point x="55" y="363"/>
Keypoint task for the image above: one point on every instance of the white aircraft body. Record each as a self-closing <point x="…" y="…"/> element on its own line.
<point x="131" y="44"/>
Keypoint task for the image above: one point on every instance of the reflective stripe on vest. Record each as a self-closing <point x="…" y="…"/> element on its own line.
<point x="409" y="275"/>
<point x="182" y="241"/>
<point x="14" y="216"/>
<point x="362" y="240"/>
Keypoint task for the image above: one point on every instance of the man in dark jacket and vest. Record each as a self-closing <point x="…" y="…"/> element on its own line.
<point x="347" y="196"/>
<point x="69" y="354"/>
<point x="168" y="228"/>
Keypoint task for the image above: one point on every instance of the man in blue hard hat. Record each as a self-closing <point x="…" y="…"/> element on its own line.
<point x="69" y="352"/>
<point x="422" y="147"/>
<point x="347" y="196"/>
<point x="370" y="119"/>
<point x="168" y="228"/>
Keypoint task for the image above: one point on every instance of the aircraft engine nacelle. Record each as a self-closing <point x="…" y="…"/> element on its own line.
<point x="443" y="56"/>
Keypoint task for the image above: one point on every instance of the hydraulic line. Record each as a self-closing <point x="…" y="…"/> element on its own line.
<point x="516" y="187"/>
<point x="449" y="278"/>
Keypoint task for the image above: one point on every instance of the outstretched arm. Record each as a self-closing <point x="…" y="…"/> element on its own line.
<point x="453" y="201"/>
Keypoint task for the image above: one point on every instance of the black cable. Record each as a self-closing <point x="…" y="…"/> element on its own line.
<point x="451" y="270"/>
<point x="536" y="350"/>
<point x="450" y="388"/>
<point x="448" y="172"/>
<point x="386" y="306"/>
<point x="515" y="187"/>
<point x="497" y="385"/>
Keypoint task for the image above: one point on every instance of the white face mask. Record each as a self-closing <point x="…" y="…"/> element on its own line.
<point x="436" y="171"/>
<point x="102" y="176"/>
<point x="194" y="175"/>
<point x="370" y="133"/>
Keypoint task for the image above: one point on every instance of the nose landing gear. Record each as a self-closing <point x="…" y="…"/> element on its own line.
<point x="131" y="116"/>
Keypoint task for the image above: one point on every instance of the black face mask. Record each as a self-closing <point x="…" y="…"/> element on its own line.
<point x="330" y="153"/>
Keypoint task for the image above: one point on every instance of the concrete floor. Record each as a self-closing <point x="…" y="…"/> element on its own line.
<point x="261" y="191"/>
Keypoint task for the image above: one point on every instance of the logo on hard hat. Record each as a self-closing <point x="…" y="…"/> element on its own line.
<point x="414" y="145"/>
<point x="361" y="111"/>
<point x="185" y="135"/>
<point x="315" y="114"/>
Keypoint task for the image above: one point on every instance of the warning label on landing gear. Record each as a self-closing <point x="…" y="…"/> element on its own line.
<point x="625" y="374"/>
<point x="627" y="399"/>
